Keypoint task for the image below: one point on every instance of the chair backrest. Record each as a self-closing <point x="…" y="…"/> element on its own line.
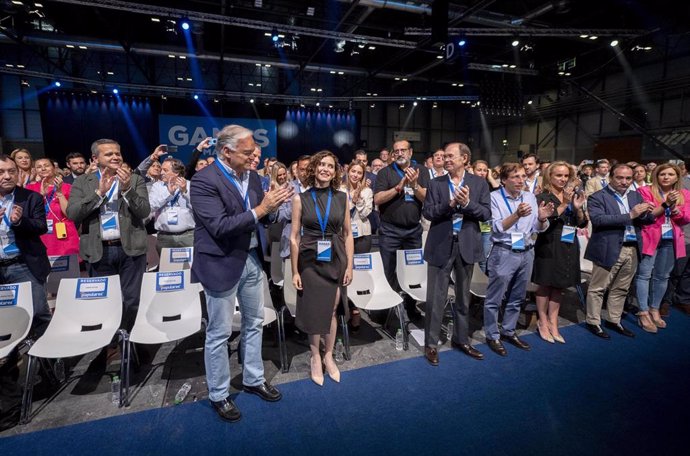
<point x="411" y="271"/>
<point x="289" y="291"/>
<point x="152" y="257"/>
<point x="176" y="259"/>
<point x="369" y="289"/>
<point x="585" y="265"/>
<point x="169" y="308"/>
<point x="479" y="282"/>
<point x="16" y="314"/>
<point x="87" y="315"/>
<point x="61" y="267"/>
<point x="277" y="275"/>
<point x="269" y="311"/>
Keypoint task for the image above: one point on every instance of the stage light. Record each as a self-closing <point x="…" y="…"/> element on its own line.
<point x="515" y="43"/>
<point x="614" y="43"/>
<point x="196" y="97"/>
<point x="57" y="83"/>
<point x="115" y="91"/>
<point x="461" y="43"/>
<point x="251" y="100"/>
<point x="274" y="35"/>
<point x="185" y="25"/>
<point x="414" y="104"/>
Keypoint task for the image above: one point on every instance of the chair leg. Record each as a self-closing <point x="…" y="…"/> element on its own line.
<point x="403" y="327"/>
<point x="125" y="347"/>
<point x="27" y="397"/>
<point x="346" y="337"/>
<point x="284" y="366"/>
<point x="581" y="297"/>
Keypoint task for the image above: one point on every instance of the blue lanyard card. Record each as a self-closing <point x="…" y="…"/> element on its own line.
<point x="667" y="231"/>
<point x="630" y="235"/>
<point x="517" y="241"/>
<point x="457" y="223"/>
<point x="568" y="234"/>
<point x="324" y="251"/>
<point x="409" y="194"/>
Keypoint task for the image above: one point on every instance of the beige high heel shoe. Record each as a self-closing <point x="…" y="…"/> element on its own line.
<point x="544" y="329"/>
<point x="333" y="371"/>
<point x="316" y="378"/>
<point x="646" y="323"/>
<point x="656" y="318"/>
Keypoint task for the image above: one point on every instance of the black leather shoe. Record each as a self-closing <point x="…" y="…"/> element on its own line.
<point x="227" y="410"/>
<point x="497" y="347"/>
<point x="515" y="340"/>
<point x="597" y="331"/>
<point x="265" y="391"/>
<point x="617" y="327"/>
<point x="431" y="355"/>
<point x="468" y="350"/>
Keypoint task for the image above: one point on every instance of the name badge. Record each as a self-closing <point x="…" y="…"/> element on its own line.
<point x="355" y="229"/>
<point x="568" y="234"/>
<point x="517" y="241"/>
<point x="630" y="235"/>
<point x="409" y="194"/>
<point x="666" y="231"/>
<point x="50" y="226"/>
<point x="110" y="225"/>
<point x="11" y="249"/>
<point x="172" y="217"/>
<point x="457" y="223"/>
<point x="324" y="251"/>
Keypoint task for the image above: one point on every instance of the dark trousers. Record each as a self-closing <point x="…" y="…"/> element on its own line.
<point x="678" y="290"/>
<point x="19" y="272"/>
<point x="437" y="294"/>
<point x="392" y="239"/>
<point x="363" y="244"/>
<point x="10" y="392"/>
<point x="131" y="271"/>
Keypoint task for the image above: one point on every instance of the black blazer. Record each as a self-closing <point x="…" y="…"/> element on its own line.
<point x="437" y="209"/>
<point x="29" y="230"/>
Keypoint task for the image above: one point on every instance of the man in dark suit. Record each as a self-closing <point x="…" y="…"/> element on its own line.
<point x="111" y="205"/>
<point x="617" y="213"/>
<point x="76" y="163"/>
<point x="455" y="204"/>
<point x="23" y="258"/>
<point x="228" y="203"/>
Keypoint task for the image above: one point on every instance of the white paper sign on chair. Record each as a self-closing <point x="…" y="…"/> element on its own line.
<point x="362" y="262"/>
<point x="181" y="255"/>
<point x="59" y="264"/>
<point x="414" y="257"/>
<point x="169" y="281"/>
<point x="8" y="295"/>
<point x="93" y="288"/>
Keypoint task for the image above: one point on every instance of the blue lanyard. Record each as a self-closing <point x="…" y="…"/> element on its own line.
<point x="49" y="199"/>
<point x="112" y="187"/>
<point x="323" y="221"/>
<point x="234" y="181"/>
<point x="510" y="209"/>
<point x="176" y="197"/>
<point x="534" y="185"/>
<point x="620" y="201"/>
<point x="667" y="211"/>
<point x="9" y="209"/>
<point x="451" y="187"/>
<point x="398" y="170"/>
<point x="352" y="208"/>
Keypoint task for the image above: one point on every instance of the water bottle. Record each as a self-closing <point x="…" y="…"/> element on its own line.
<point x="59" y="370"/>
<point x="339" y="350"/>
<point x="115" y="391"/>
<point x="449" y="330"/>
<point x="399" y="340"/>
<point x="182" y="393"/>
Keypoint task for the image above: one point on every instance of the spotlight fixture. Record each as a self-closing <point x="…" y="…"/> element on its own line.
<point x="25" y="83"/>
<point x="251" y="100"/>
<point x="414" y="104"/>
<point x="310" y="11"/>
<point x="614" y="43"/>
<point x="339" y="46"/>
<point x="515" y="43"/>
<point x="462" y="43"/>
<point x="529" y="102"/>
<point x="274" y="35"/>
<point x="196" y="97"/>
<point x="115" y="91"/>
<point x="318" y="104"/>
<point x="185" y="24"/>
<point x="57" y="83"/>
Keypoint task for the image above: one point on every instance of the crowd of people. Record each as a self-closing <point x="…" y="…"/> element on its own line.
<point x="519" y="221"/>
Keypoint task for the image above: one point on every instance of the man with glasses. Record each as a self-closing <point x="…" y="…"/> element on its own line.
<point x="399" y="192"/>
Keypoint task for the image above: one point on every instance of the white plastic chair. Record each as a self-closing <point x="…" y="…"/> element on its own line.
<point x="277" y="275"/>
<point x="152" y="257"/>
<point x="585" y="264"/>
<point x="61" y="267"/>
<point x="479" y="282"/>
<point x="78" y="326"/>
<point x="16" y="314"/>
<point x="411" y="270"/>
<point x="175" y="259"/>
<point x="370" y="290"/>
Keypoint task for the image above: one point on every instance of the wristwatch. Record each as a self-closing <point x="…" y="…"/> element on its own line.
<point x="665" y="205"/>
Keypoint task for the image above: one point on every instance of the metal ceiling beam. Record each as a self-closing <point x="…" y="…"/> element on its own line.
<point x="501" y="69"/>
<point x="531" y="31"/>
<point x="152" y="10"/>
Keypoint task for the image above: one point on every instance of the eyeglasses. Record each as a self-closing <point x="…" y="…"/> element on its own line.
<point x="401" y="151"/>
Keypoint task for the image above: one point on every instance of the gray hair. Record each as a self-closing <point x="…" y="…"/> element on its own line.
<point x="462" y="148"/>
<point x="230" y="135"/>
<point x="98" y="142"/>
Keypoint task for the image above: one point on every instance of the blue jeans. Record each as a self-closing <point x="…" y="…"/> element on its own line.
<point x="221" y="307"/>
<point x="19" y="272"/>
<point x="652" y="276"/>
<point x="509" y="273"/>
<point x="486" y="249"/>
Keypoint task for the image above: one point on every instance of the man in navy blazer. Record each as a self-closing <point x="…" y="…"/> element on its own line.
<point x="228" y="203"/>
<point x="455" y="204"/>
<point x="617" y="213"/>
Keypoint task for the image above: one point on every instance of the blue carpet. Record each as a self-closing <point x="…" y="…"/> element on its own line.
<point x="590" y="396"/>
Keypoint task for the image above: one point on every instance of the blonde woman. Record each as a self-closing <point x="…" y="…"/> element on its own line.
<point x="25" y="167"/>
<point x="361" y="200"/>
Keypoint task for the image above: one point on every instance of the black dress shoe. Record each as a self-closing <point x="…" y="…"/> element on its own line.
<point x="431" y="355"/>
<point x="617" y="327"/>
<point x="497" y="347"/>
<point x="468" y="350"/>
<point x="515" y="340"/>
<point x="597" y="331"/>
<point x="227" y="410"/>
<point x="265" y="391"/>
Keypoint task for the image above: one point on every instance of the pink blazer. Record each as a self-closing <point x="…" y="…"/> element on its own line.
<point x="651" y="234"/>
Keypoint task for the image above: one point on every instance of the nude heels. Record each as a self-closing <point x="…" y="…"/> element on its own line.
<point x="316" y="378"/>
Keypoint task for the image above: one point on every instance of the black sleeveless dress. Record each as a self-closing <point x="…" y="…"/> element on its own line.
<point x="320" y="280"/>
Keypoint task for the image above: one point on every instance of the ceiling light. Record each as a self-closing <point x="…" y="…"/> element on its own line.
<point x="110" y="73"/>
<point x="614" y="43"/>
<point x="361" y="45"/>
<point x="461" y="43"/>
<point x="258" y="3"/>
<point x="17" y="2"/>
<point x="94" y="91"/>
<point x="332" y="72"/>
<point x="83" y="47"/>
<point x="71" y="46"/>
<point x="172" y="56"/>
<point x="257" y="64"/>
<point x="115" y="91"/>
<point x="371" y="48"/>
<point x="529" y="102"/>
<point x="57" y="83"/>
<point x="584" y="36"/>
<point x="341" y="72"/>
<point x="339" y="46"/>
<point x="251" y="100"/>
<point x="318" y="104"/>
<point x="593" y="37"/>
<point x="38" y="5"/>
<point x="515" y="43"/>
<point x="414" y="104"/>
<point x="373" y="105"/>
<point x="376" y="94"/>
<point x="20" y="66"/>
<point x="461" y="85"/>
<point x="512" y="66"/>
<point x="313" y="89"/>
<point x="455" y="84"/>
<point x="180" y="79"/>
<point x="155" y="19"/>
<point x="183" y="57"/>
<point x="216" y="100"/>
<point x="267" y="66"/>
<point x="404" y="79"/>
<point x="402" y="106"/>
<point x="310" y="11"/>
<point x="189" y="79"/>
<point x="185" y="25"/>
<point x="397" y="79"/>
<point x="25" y="83"/>
<point x="196" y="97"/>
<point x="258" y="84"/>
<point x="319" y="90"/>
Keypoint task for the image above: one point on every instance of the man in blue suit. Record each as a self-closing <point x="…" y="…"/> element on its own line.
<point x="228" y="203"/>
<point x="455" y="204"/>
<point x="617" y="213"/>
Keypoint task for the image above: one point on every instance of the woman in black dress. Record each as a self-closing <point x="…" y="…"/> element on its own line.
<point x="322" y="248"/>
<point x="557" y="251"/>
